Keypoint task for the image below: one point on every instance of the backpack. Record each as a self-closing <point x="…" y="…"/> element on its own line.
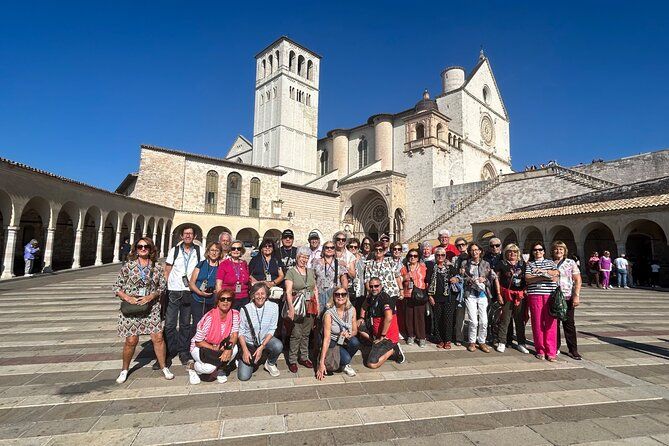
<point x="177" y="250"/>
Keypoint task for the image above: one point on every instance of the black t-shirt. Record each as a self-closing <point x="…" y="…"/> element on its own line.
<point x="258" y="267"/>
<point x="506" y="273"/>
<point x="376" y="306"/>
<point x="288" y="257"/>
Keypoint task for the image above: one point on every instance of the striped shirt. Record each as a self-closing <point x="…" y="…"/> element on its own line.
<point x="264" y="321"/>
<point x="205" y="324"/>
<point x="546" y="286"/>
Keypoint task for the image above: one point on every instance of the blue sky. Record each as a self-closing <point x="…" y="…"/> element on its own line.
<point x="83" y="84"/>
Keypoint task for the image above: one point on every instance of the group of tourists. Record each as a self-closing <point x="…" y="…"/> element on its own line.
<point x="602" y="269"/>
<point x="323" y="302"/>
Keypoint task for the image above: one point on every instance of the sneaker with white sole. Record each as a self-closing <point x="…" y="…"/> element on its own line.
<point x="167" y="373"/>
<point x="221" y="377"/>
<point x="522" y="349"/>
<point x="349" y="370"/>
<point x="501" y="347"/>
<point x="422" y="343"/>
<point x="399" y="354"/>
<point x="193" y="377"/>
<point x="410" y="340"/>
<point x="122" y="377"/>
<point x="272" y="369"/>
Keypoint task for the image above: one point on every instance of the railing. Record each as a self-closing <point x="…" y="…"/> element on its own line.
<point x="583" y="178"/>
<point x="459" y="206"/>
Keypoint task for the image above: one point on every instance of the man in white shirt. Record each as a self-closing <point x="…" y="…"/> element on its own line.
<point x="621" y="270"/>
<point x="179" y="265"/>
<point x="315" y="247"/>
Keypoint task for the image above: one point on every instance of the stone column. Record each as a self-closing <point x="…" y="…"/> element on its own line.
<point x="204" y="241"/>
<point x="340" y="152"/>
<point x="11" y="233"/>
<point x="98" y="248"/>
<point x="163" y="242"/>
<point x="117" y="247"/>
<point x="383" y="140"/>
<point x="48" y="247"/>
<point x="132" y="237"/>
<point x="620" y="244"/>
<point x="169" y="245"/>
<point x="76" y="258"/>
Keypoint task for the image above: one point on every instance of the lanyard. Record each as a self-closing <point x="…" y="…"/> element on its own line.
<point x="143" y="272"/>
<point x="237" y="268"/>
<point x="266" y="265"/>
<point x="209" y="271"/>
<point x="260" y="317"/>
<point x="186" y="258"/>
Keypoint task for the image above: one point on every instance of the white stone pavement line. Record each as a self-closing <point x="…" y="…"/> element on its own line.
<point x="115" y="393"/>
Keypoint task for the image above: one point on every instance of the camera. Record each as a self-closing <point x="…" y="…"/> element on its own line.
<point x="209" y="289"/>
<point x="340" y="340"/>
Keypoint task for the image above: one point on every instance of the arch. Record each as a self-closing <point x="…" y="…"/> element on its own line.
<point x="300" y="66"/>
<point x="369" y="213"/>
<point x="240" y="160"/>
<point x="488" y="171"/>
<point x="310" y="70"/>
<point x="151" y="227"/>
<point x="486" y="94"/>
<point x="233" y="197"/>
<point x="532" y="235"/>
<point x="362" y="152"/>
<point x="278" y="63"/>
<point x="212" y="235"/>
<point x="211" y="192"/>
<point x="139" y="227"/>
<point x="564" y="234"/>
<point x="440" y="132"/>
<point x="270" y="64"/>
<point x="167" y="236"/>
<point x="272" y="234"/>
<point x="484" y="236"/>
<point x="249" y="235"/>
<point x="109" y="237"/>
<point x="597" y="236"/>
<point x="158" y="239"/>
<point x="507" y="236"/>
<point x="6" y="209"/>
<point x="176" y="233"/>
<point x="126" y="227"/>
<point x="398" y="224"/>
<point x="645" y="241"/>
<point x="254" y="198"/>
<point x="420" y="131"/>
<point x="33" y="223"/>
<point x="324" y="162"/>
<point x="89" y="236"/>
<point x="263" y="69"/>
<point x="291" y="61"/>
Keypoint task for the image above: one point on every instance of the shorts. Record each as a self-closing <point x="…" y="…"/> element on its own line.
<point x="379" y="349"/>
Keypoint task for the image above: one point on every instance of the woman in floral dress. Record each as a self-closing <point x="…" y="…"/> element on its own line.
<point x="141" y="281"/>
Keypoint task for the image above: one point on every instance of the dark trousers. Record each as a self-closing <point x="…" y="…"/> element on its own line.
<point x="414" y="319"/>
<point x="178" y="310"/>
<point x="239" y="303"/>
<point x="569" y="330"/>
<point x="198" y="310"/>
<point x="444" y="321"/>
<point x="511" y="315"/>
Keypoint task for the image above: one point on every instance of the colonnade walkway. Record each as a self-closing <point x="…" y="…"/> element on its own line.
<point x="59" y="357"/>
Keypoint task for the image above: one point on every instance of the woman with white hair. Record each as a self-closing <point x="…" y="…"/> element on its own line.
<point x="339" y="331"/>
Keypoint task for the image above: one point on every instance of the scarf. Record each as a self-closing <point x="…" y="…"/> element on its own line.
<point x="432" y="290"/>
<point x="214" y="335"/>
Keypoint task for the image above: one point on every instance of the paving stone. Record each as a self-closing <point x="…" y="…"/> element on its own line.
<point x="67" y="411"/>
<point x="115" y="437"/>
<point x="563" y="433"/>
<point x="381" y="414"/>
<point x="302" y="406"/>
<point x="637" y="441"/>
<point x="126" y="421"/>
<point x="480" y="405"/>
<point x="138" y="405"/>
<point x="634" y="425"/>
<point x="253" y="426"/>
<point x="418" y="411"/>
<point x="307" y="438"/>
<point x="250" y="410"/>
<point x="320" y="420"/>
<point x="55" y="427"/>
<point x="522" y="417"/>
<point x="390" y="399"/>
<point x="440" y="439"/>
<point x="187" y="416"/>
<point x="178" y="433"/>
<point x="363" y="434"/>
<point x="507" y="436"/>
<point x="350" y="402"/>
<point x="295" y="394"/>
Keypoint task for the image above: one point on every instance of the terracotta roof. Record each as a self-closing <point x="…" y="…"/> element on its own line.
<point x="585" y="208"/>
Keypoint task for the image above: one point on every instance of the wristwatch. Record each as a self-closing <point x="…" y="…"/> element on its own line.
<point x="228" y="346"/>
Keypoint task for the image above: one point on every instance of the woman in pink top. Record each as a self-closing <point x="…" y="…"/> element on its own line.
<point x="233" y="274"/>
<point x="605" y="269"/>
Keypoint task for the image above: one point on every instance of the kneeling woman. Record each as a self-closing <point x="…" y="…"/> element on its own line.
<point x="339" y="331"/>
<point x="214" y="345"/>
<point x="139" y="285"/>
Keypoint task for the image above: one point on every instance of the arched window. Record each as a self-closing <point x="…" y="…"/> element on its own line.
<point x="291" y="61"/>
<point x="362" y="152"/>
<point x="264" y="68"/>
<point x="440" y="132"/>
<point x="291" y="92"/>
<point x="420" y="131"/>
<point x="308" y="99"/>
<point x="278" y="65"/>
<point x="324" y="162"/>
<point x="310" y="70"/>
<point x="486" y="94"/>
<point x="269" y="96"/>
<point x="300" y="66"/>
<point x="488" y="172"/>
<point x="254" y="204"/>
<point x="211" y="192"/>
<point x="233" y="197"/>
<point x="270" y="59"/>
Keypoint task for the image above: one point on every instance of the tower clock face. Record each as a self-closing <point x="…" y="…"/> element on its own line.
<point x="487" y="130"/>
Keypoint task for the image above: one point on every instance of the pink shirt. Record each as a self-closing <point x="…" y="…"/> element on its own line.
<point x="231" y="273"/>
<point x="205" y="324"/>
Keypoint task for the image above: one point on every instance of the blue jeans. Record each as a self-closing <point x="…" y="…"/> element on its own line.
<point x="178" y="340"/>
<point x="346" y="352"/>
<point x="622" y="278"/>
<point x="273" y="348"/>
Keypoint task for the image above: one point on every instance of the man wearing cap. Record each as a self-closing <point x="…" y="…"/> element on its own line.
<point x="287" y="251"/>
<point x="444" y="242"/>
<point x="315" y="248"/>
<point x="385" y="239"/>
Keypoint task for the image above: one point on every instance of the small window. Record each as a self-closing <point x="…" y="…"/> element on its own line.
<point x="270" y="59"/>
<point x="486" y="94"/>
<point x="263" y="69"/>
<point x="420" y="131"/>
<point x="234" y="194"/>
<point x="362" y="152"/>
<point x="440" y="132"/>
<point x="310" y="70"/>
<point x="211" y="192"/>
<point x="291" y="61"/>
<point x="300" y="66"/>
<point x="324" y="162"/>
<point x="254" y="204"/>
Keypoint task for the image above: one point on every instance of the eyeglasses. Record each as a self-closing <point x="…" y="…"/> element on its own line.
<point x="226" y="299"/>
<point x="495" y="246"/>
<point x="460" y="244"/>
<point x="352" y="246"/>
<point x="340" y="239"/>
<point x="214" y="250"/>
<point x="413" y="256"/>
<point x="142" y="246"/>
<point x="268" y="246"/>
<point x="375" y="286"/>
<point x="236" y="248"/>
<point x="397" y="249"/>
<point x="328" y="247"/>
<point x="379" y="250"/>
<point x="366" y="244"/>
<point x="538" y="249"/>
<point x="340" y="294"/>
<point x="440" y="255"/>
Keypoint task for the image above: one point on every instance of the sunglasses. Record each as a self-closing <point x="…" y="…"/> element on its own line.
<point x="413" y="256"/>
<point x="440" y="255"/>
<point x="460" y="244"/>
<point x="340" y="239"/>
<point x="397" y="249"/>
<point x="375" y="286"/>
<point x="236" y="248"/>
<point x="268" y="246"/>
<point x="366" y="244"/>
<point x="352" y="246"/>
<point x="328" y="247"/>
<point x="495" y="246"/>
<point x="142" y="246"/>
<point x="340" y="294"/>
<point x="538" y="249"/>
<point x="226" y="299"/>
<point x="379" y="250"/>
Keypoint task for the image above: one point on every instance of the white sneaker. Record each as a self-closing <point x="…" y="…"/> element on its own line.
<point x="501" y="347"/>
<point x="349" y="370"/>
<point x="522" y="349"/>
<point x="222" y="378"/>
<point x="122" y="377"/>
<point x="193" y="377"/>
<point x="167" y="373"/>
<point x="272" y="369"/>
<point x="557" y="354"/>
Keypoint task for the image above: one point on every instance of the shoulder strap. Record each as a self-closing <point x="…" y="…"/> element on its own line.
<point x="253" y="332"/>
<point x="176" y="254"/>
<point x="197" y="251"/>
<point x="336" y="271"/>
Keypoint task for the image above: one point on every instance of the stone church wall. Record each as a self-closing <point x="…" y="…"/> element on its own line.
<point x="160" y="178"/>
<point x="630" y="169"/>
<point x="311" y="210"/>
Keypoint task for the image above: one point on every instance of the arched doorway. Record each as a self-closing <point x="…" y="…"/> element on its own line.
<point x="533" y="236"/>
<point x="484" y="237"/>
<point x="109" y="237"/>
<point x="63" y="239"/>
<point x="139" y="228"/>
<point x="158" y="239"/>
<point x="645" y="242"/>
<point x="398" y="225"/>
<point x="508" y="236"/>
<point x="564" y="234"/>
<point x="215" y="232"/>
<point x="168" y="232"/>
<point x="599" y="237"/>
<point x="89" y="236"/>
<point x="176" y="234"/>
<point x="125" y="227"/>
<point x="249" y="235"/>
<point x="272" y="234"/>
<point x="32" y="225"/>
<point x="368" y="214"/>
<point x="151" y="229"/>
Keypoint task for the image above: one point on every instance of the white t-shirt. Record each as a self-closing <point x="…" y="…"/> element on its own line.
<point x="621" y="263"/>
<point x="655" y="268"/>
<point x="315" y="255"/>
<point x="184" y="265"/>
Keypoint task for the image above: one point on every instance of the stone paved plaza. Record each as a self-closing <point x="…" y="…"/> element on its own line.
<point x="59" y="357"/>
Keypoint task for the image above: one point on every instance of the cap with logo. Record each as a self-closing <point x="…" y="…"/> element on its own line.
<point x="288" y="233"/>
<point x="313" y="235"/>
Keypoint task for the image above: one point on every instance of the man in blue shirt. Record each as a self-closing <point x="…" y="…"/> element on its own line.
<point x="29" y="252"/>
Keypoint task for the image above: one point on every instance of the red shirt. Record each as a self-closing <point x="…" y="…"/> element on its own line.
<point x="378" y="307"/>
<point x="231" y="273"/>
<point x="451" y="251"/>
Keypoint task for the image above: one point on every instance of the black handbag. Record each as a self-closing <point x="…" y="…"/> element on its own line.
<point x="133" y="310"/>
<point x="418" y="295"/>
